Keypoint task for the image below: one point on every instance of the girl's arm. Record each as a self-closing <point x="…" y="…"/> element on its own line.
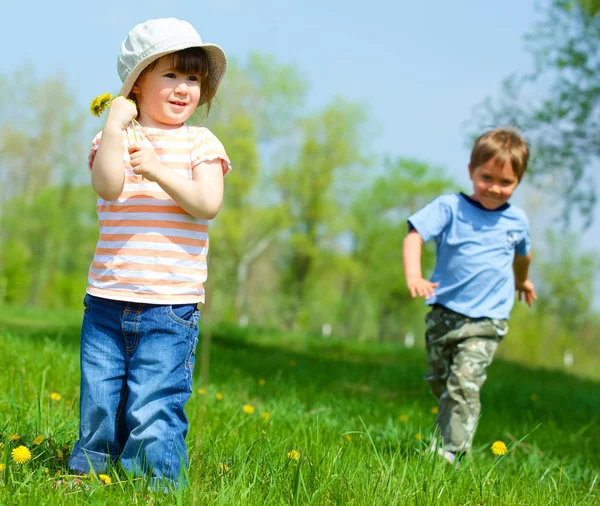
<point x="200" y="197"/>
<point x="108" y="171"/>
<point x="411" y="255"/>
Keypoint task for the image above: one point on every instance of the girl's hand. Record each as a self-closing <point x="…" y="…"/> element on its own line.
<point x="144" y="162"/>
<point x="526" y="291"/>
<point x="420" y="287"/>
<point x="120" y="114"/>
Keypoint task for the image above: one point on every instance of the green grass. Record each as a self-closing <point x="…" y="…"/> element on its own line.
<point x="337" y="404"/>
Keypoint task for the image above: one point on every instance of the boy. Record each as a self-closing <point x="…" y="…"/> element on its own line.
<point x="483" y="255"/>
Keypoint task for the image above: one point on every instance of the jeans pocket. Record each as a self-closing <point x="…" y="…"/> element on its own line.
<point x="184" y="314"/>
<point x="86" y="304"/>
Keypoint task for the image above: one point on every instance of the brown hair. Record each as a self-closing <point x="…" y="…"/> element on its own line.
<point x="193" y="60"/>
<point x="503" y="145"/>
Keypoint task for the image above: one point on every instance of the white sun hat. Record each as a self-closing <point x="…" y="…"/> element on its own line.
<point x="148" y="41"/>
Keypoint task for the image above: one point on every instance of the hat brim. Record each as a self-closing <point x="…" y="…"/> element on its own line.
<point x="217" y="64"/>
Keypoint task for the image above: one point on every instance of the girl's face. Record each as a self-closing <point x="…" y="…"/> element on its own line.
<point x="493" y="185"/>
<point x="165" y="97"/>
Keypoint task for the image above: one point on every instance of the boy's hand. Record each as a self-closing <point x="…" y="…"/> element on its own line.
<point x="144" y="162"/>
<point x="526" y="291"/>
<point x="421" y="287"/>
<point x="120" y="114"/>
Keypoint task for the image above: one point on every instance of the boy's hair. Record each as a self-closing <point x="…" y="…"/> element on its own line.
<point x="188" y="61"/>
<point x="503" y="145"/>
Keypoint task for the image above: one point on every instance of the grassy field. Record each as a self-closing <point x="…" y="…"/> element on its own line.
<point x="325" y="423"/>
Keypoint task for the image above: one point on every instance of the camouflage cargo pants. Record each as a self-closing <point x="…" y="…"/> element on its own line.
<point x="459" y="349"/>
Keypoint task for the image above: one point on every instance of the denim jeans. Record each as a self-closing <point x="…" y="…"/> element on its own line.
<point x="136" y="377"/>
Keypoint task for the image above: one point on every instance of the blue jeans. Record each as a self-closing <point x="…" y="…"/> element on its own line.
<point x="136" y="377"/>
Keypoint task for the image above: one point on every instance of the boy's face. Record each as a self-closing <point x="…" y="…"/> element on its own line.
<point x="166" y="98"/>
<point x="493" y="184"/>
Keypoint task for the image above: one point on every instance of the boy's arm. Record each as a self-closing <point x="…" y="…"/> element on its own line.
<point x="108" y="171"/>
<point x="523" y="285"/>
<point x="411" y="256"/>
<point x="200" y="197"/>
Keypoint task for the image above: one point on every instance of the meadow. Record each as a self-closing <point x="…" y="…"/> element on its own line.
<point x="298" y="420"/>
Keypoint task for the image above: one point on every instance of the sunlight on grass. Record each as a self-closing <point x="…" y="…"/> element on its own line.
<point x="325" y="430"/>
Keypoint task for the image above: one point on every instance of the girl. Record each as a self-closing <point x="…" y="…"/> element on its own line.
<point x="159" y="182"/>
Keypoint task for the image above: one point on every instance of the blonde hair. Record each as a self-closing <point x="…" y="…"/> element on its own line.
<point x="503" y="145"/>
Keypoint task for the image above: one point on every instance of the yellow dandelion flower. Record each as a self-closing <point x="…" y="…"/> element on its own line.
<point x="60" y="454"/>
<point x="265" y="416"/>
<point x="105" y="478"/>
<point x="55" y="396"/>
<point x="223" y="468"/>
<point x="403" y="418"/>
<point x="14" y="437"/>
<point x="534" y="397"/>
<point x="201" y="391"/>
<point x="2" y="467"/>
<point x="262" y="382"/>
<point x="419" y="437"/>
<point x="434" y="410"/>
<point x="246" y="408"/>
<point x="347" y="437"/>
<point x="293" y="455"/>
<point x="100" y="103"/>
<point x="21" y="454"/>
<point x="219" y="396"/>
<point x="38" y="440"/>
<point x="499" y="448"/>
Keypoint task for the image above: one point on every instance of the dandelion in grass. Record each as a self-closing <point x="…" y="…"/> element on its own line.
<point x="14" y="437"/>
<point x="434" y="410"/>
<point x="293" y="455"/>
<point x="249" y="410"/>
<point x="60" y="455"/>
<point x="262" y="382"/>
<point x="105" y="478"/>
<point x="265" y="416"/>
<point x="55" y="396"/>
<point x="348" y="437"/>
<point x="419" y="437"/>
<point x="201" y="391"/>
<point x="224" y="468"/>
<point x="403" y="418"/>
<point x="219" y="396"/>
<point x="21" y="454"/>
<point x="38" y="440"/>
<point x="2" y="467"/>
<point x="499" y="448"/>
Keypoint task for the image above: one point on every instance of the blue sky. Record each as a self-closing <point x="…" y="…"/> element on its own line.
<point x="419" y="67"/>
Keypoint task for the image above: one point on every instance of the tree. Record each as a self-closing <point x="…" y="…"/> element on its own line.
<point x="379" y="227"/>
<point x="256" y="108"/>
<point x="563" y="126"/>
<point x="310" y="185"/>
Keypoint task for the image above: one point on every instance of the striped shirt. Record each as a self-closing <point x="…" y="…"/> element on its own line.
<point x="150" y="250"/>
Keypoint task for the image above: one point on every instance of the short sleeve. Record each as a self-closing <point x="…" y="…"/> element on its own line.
<point x="431" y="220"/>
<point x="94" y="150"/>
<point x="524" y="245"/>
<point x="208" y="148"/>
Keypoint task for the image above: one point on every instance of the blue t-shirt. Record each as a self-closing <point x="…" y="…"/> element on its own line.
<point x="475" y="252"/>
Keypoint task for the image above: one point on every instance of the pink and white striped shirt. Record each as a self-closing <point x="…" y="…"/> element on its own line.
<point x="150" y="250"/>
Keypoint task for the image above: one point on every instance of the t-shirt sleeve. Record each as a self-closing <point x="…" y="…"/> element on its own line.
<point x="94" y="150"/>
<point x="431" y="220"/>
<point x="208" y="148"/>
<point x="524" y="245"/>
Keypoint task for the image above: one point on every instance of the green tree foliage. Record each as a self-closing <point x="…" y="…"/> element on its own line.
<point x="378" y="230"/>
<point x="563" y="124"/>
